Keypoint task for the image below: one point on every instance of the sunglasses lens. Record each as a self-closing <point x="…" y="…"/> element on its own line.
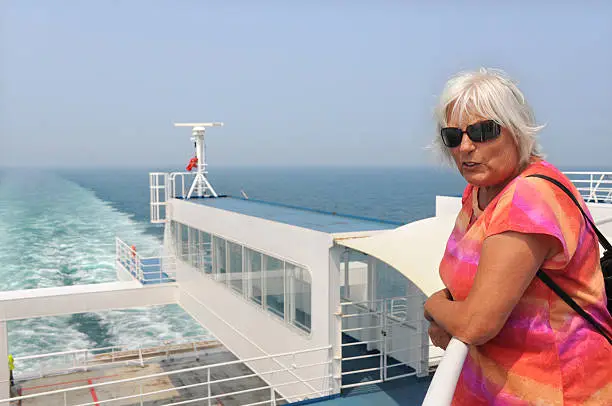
<point x="483" y="131"/>
<point x="451" y="137"/>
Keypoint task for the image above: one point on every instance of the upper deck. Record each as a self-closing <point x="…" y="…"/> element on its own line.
<point x="317" y="220"/>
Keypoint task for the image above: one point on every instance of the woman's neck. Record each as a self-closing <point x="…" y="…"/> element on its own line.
<point x="486" y="194"/>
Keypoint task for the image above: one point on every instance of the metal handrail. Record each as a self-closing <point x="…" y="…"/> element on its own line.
<point x="442" y="387"/>
<point x="132" y="261"/>
<point x="598" y="188"/>
<point x="284" y="368"/>
<point x="84" y="359"/>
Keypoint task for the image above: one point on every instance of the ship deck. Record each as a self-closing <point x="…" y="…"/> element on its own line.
<point x="167" y="388"/>
<point x="318" y="220"/>
<point x="401" y="392"/>
<point x="191" y="385"/>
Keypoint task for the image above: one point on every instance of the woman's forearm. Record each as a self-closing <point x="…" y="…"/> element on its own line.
<point x="460" y="321"/>
<point x="447" y="314"/>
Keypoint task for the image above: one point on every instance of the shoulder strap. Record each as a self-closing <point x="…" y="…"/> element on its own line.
<point x="602" y="240"/>
<point x="556" y="288"/>
<point x="567" y="299"/>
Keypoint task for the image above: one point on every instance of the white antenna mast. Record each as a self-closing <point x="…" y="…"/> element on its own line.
<point x="200" y="184"/>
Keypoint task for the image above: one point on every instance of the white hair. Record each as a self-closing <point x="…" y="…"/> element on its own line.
<point x="491" y="94"/>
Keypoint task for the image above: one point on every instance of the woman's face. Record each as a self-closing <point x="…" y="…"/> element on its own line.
<point x="486" y="163"/>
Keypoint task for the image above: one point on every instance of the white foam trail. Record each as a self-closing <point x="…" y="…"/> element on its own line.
<point x="55" y="233"/>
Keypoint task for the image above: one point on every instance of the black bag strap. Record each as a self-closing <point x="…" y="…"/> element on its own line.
<point x="602" y="240"/>
<point x="556" y="288"/>
<point x="567" y="299"/>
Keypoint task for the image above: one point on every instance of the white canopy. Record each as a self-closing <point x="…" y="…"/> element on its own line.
<point x="415" y="249"/>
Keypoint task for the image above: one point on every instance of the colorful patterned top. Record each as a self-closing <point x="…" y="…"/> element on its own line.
<point x="546" y="354"/>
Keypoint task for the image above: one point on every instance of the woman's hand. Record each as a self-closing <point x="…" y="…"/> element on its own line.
<point x="441" y="294"/>
<point x="439" y="337"/>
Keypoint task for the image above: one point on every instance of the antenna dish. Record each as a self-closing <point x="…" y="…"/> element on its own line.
<point x="214" y="124"/>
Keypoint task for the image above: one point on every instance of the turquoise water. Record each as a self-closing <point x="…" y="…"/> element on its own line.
<point x="58" y="229"/>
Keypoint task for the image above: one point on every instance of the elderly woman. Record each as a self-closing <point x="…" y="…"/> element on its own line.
<point x="526" y="345"/>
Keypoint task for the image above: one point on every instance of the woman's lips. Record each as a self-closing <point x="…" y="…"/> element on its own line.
<point x="470" y="165"/>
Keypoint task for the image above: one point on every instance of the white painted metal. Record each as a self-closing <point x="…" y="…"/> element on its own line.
<point x="158" y="182"/>
<point x="62" y="362"/>
<point x="393" y="328"/>
<point x="140" y="269"/>
<point x="595" y="187"/>
<point x="45" y="302"/>
<point x="442" y="387"/>
<point x="201" y="186"/>
<point x="4" y="370"/>
<point x="280" y="358"/>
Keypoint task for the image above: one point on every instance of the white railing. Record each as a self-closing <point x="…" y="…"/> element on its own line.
<point x="63" y="362"/>
<point x="164" y="186"/>
<point x="442" y="387"/>
<point x="393" y="327"/>
<point x="158" y="182"/>
<point x="288" y="363"/>
<point x="147" y="270"/>
<point x="179" y="184"/>
<point x="593" y="186"/>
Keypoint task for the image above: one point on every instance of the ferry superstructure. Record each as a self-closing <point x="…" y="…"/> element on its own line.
<point x="309" y="306"/>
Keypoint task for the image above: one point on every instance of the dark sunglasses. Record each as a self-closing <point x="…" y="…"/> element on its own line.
<point x="478" y="132"/>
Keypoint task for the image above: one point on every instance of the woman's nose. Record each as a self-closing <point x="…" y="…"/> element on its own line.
<point x="467" y="145"/>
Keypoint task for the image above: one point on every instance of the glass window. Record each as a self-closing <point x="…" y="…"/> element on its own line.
<point x="254" y="275"/>
<point x="194" y="240"/>
<point x="298" y="296"/>
<point x="275" y="285"/>
<point x="176" y="237"/>
<point x="184" y="243"/>
<point x="235" y="266"/>
<point x="219" y="258"/>
<point x="205" y="252"/>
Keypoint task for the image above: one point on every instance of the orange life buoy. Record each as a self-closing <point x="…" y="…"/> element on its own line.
<point x="192" y="163"/>
<point x="133" y="247"/>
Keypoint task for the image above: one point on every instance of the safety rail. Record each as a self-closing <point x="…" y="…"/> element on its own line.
<point x="595" y="187"/>
<point x="395" y="337"/>
<point x="289" y="362"/>
<point x="442" y="387"/>
<point x="164" y="186"/>
<point x="158" y="191"/>
<point x="63" y="362"/>
<point x="183" y="181"/>
<point x="147" y="270"/>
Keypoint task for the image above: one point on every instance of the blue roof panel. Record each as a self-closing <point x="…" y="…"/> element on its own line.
<point x="297" y="216"/>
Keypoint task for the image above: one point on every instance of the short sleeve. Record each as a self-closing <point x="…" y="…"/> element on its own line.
<point x="532" y="206"/>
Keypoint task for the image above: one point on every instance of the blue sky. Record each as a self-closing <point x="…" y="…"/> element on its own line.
<point x="86" y="83"/>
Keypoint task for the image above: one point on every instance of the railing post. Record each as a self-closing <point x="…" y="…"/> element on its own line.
<point x="208" y="382"/>
<point x="140" y="270"/>
<point x="65" y="399"/>
<point x="385" y="334"/>
<point x="141" y="402"/>
<point x="140" y="356"/>
<point x="272" y="397"/>
<point x="195" y="350"/>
